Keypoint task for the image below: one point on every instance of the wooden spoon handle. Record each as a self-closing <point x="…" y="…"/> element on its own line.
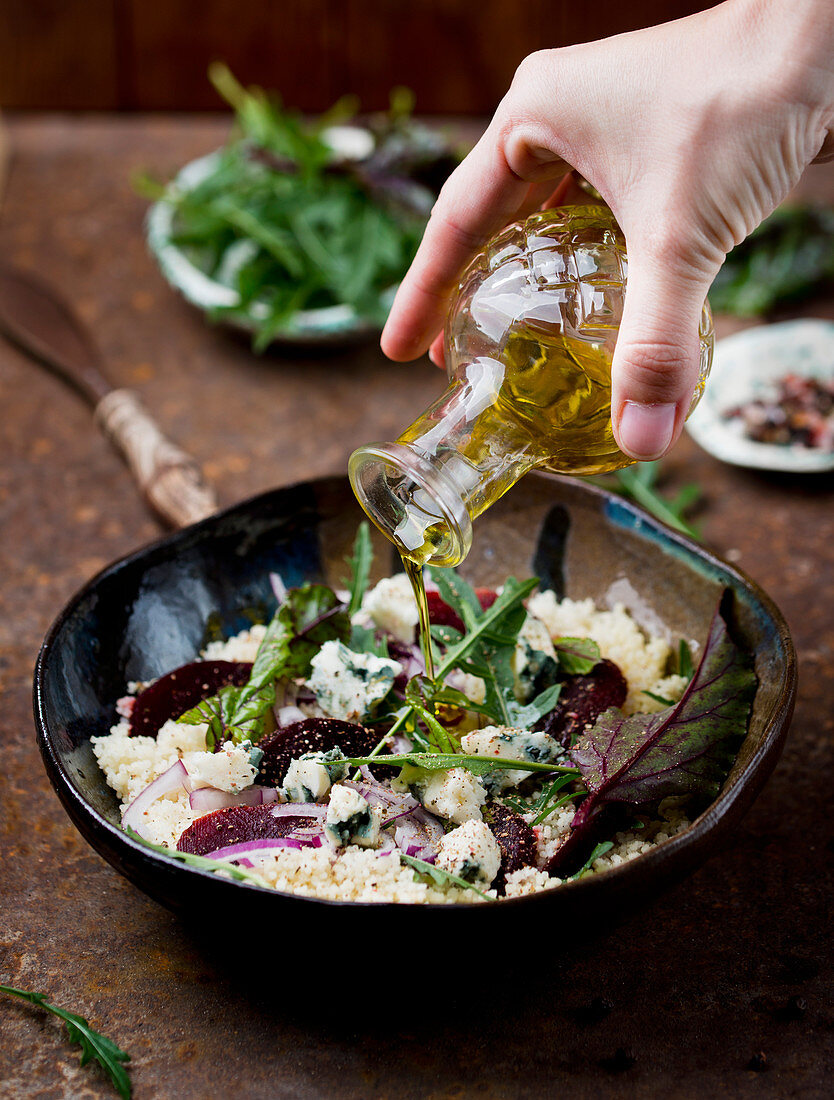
<point x="170" y="480"/>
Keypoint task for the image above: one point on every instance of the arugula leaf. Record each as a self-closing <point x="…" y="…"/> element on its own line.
<point x="784" y="259"/>
<point x="440" y="876"/>
<point x="420" y="696"/>
<point x="685" y="749"/>
<point x="498" y="625"/>
<point x="457" y="594"/>
<point x="577" y="656"/>
<point x="202" y="863"/>
<point x="478" y="765"/>
<point x="598" y="850"/>
<point x="547" y="802"/>
<point x="94" y="1045"/>
<point x="360" y="566"/>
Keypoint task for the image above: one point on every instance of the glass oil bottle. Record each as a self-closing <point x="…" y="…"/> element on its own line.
<point x="529" y="341"/>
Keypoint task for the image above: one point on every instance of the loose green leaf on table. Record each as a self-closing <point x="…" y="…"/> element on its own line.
<point x="94" y="1045"/>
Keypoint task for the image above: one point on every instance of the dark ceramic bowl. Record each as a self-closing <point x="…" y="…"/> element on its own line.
<point x="149" y="612"/>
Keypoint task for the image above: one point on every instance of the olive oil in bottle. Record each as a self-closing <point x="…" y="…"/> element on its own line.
<point x="529" y="343"/>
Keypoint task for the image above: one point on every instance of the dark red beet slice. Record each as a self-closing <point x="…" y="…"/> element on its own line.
<point x="442" y="615"/>
<point x="236" y="825"/>
<point x="312" y="735"/>
<point x="582" y="700"/>
<point x="178" y="691"/>
<point x="516" y="840"/>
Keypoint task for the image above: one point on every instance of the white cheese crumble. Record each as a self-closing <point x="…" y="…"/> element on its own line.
<point x="392" y="607"/>
<point x="348" y="685"/>
<point x="229" y="769"/>
<point x="456" y="795"/>
<point x="471" y="852"/>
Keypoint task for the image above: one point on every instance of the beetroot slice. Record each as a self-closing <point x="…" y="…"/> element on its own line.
<point x="311" y="735"/>
<point x="516" y="840"/>
<point x="441" y="614"/>
<point x="582" y="700"/>
<point x="178" y="691"/>
<point x="235" y="825"/>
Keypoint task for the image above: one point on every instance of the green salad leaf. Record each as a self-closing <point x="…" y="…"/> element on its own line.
<point x="442" y="761"/>
<point x="290" y="225"/>
<point x="202" y="863"/>
<point x="307" y="617"/>
<point x="441" y="877"/>
<point x="577" y="656"/>
<point x="685" y="749"/>
<point x="94" y="1046"/>
<point x="360" y="566"/>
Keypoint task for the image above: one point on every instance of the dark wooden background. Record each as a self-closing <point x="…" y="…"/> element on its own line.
<point x="457" y="55"/>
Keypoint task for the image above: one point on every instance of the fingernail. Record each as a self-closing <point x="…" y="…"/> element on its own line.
<point x="645" y="431"/>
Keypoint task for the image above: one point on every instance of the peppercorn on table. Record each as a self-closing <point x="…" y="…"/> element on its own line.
<point x="723" y="986"/>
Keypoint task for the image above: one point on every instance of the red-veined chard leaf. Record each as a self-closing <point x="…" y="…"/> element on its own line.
<point x="683" y="750"/>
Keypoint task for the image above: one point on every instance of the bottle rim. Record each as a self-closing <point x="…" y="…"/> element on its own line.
<point x="385" y="478"/>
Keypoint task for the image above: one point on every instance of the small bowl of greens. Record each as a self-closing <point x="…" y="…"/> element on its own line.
<point x="298" y="231"/>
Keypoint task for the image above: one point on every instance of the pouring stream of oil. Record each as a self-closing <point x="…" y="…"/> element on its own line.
<point x="414" y="572"/>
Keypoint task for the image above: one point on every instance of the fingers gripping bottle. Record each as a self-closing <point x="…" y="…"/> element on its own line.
<point x="529" y="341"/>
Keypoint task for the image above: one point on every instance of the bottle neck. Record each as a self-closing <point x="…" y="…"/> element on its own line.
<point x="451" y="464"/>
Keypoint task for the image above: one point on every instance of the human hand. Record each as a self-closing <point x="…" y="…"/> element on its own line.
<point x="692" y="131"/>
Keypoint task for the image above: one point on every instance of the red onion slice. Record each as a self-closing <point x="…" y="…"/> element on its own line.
<point x="299" y="809"/>
<point x="254" y="849"/>
<point x="207" y="799"/>
<point x="289" y="714"/>
<point x="419" y="835"/>
<point x="174" y="779"/>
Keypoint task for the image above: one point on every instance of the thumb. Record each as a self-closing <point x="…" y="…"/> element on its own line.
<point x="656" y="361"/>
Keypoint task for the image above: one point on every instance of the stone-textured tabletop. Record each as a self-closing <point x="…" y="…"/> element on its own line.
<point x="723" y="987"/>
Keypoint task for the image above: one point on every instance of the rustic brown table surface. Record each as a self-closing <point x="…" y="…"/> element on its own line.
<point x="680" y="1000"/>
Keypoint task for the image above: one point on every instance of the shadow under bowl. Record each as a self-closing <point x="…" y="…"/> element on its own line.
<point x="152" y="611"/>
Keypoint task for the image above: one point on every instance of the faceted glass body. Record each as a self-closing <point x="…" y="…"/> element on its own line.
<point x="529" y="342"/>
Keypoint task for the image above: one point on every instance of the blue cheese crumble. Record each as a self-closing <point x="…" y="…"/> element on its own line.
<point x="348" y="685"/>
<point x="351" y="819"/>
<point x="310" y="776"/>
<point x="516" y="744"/>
